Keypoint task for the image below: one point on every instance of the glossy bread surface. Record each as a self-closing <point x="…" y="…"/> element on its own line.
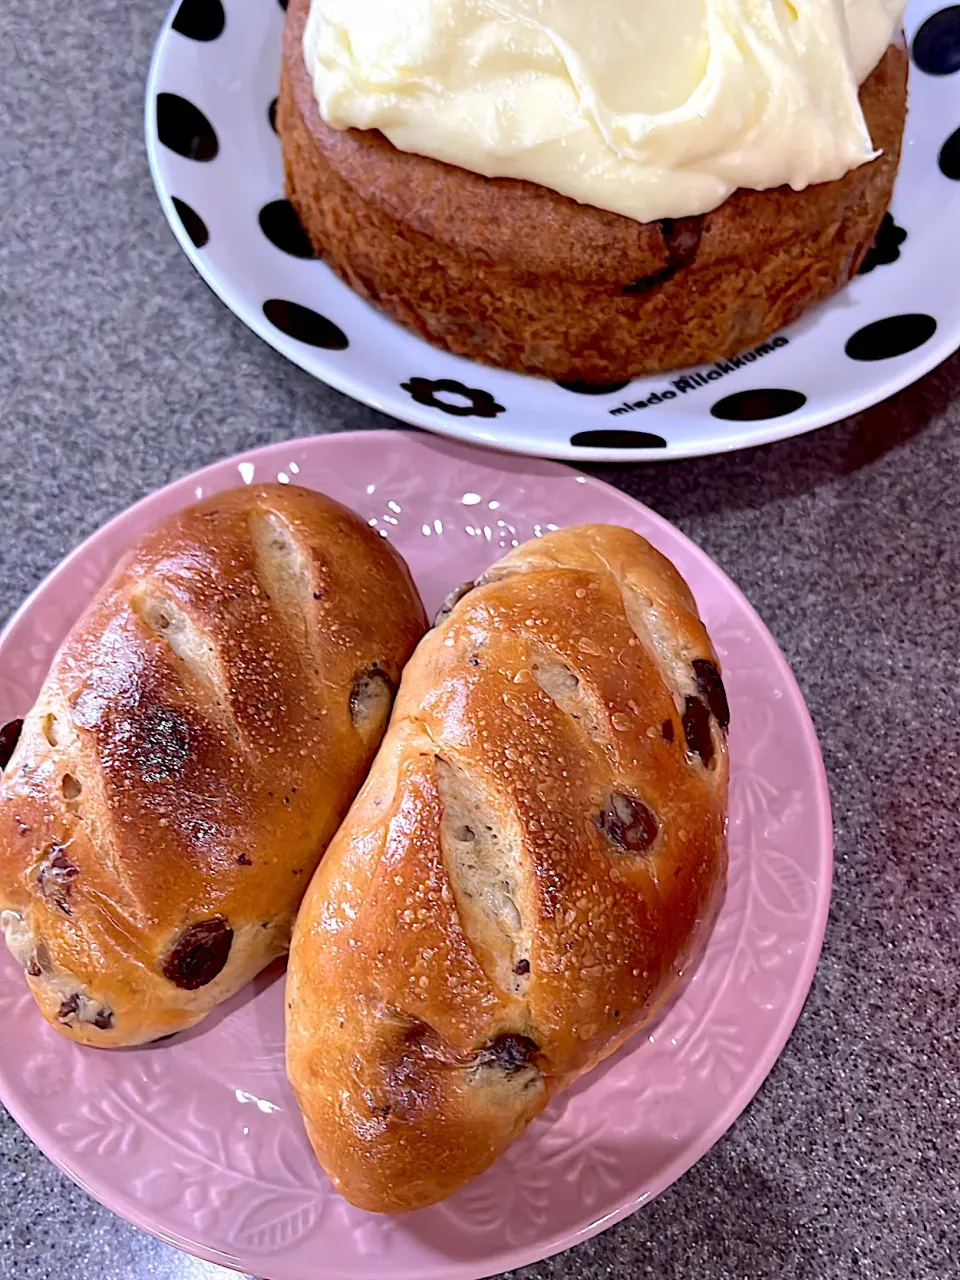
<point x="200" y="735"/>
<point x="535" y="858"/>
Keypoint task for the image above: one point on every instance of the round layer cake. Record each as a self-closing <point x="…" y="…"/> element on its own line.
<point x="517" y="275"/>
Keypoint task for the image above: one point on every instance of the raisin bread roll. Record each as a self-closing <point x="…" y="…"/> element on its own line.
<point x="198" y="740"/>
<point x="533" y="862"/>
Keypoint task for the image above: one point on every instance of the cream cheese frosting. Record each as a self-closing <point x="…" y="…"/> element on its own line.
<point x="648" y="108"/>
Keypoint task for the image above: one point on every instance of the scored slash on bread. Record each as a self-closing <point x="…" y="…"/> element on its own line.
<point x="532" y="864"/>
<point x="201" y="733"/>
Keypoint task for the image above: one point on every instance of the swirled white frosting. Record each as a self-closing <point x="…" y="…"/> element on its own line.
<point x="648" y="108"/>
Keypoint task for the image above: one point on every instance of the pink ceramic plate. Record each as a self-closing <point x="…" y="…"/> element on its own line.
<point x="198" y="1140"/>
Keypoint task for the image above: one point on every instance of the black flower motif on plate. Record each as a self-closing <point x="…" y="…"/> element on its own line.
<point x="427" y="391"/>
<point x="886" y="248"/>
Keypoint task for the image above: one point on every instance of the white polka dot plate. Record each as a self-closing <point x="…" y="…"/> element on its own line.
<point x="216" y="163"/>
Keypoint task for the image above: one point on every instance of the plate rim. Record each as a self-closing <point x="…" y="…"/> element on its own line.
<point x="510" y="1258"/>
<point x="944" y="343"/>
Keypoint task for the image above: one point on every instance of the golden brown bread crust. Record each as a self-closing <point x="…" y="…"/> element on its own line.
<point x="200" y="735"/>
<point x="536" y="856"/>
<point x="519" y="276"/>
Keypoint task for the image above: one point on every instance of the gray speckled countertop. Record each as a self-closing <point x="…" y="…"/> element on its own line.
<point x="119" y="371"/>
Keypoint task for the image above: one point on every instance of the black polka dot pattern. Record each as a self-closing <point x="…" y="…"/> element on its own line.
<point x="184" y="128"/>
<point x="936" y="46"/>
<point x="886" y="247"/>
<point x="480" y="404"/>
<point x="593" y="388"/>
<point x="199" y="19"/>
<point x="280" y="224"/>
<point x="758" y="405"/>
<point x="192" y="223"/>
<point x="607" y="438"/>
<point x="201" y="125"/>
<point x="306" y="326"/>
<point x="949" y="157"/>
<point x="892" y="336"/>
